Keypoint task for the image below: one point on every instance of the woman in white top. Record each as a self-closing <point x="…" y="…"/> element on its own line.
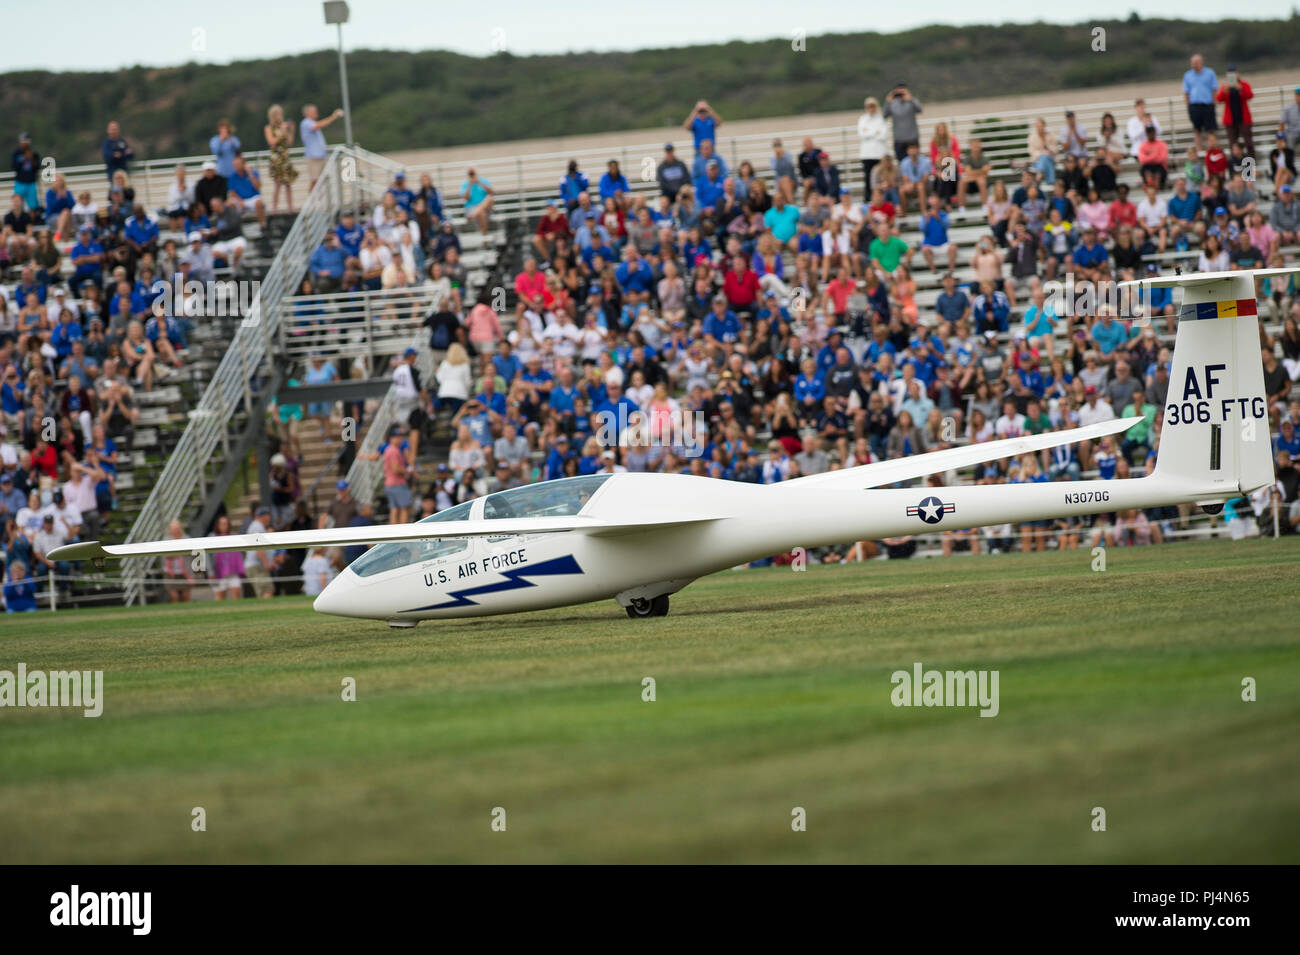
<point x="454" y="377"/>
<point x="873" y="139"/>
<point x="180" y="195"/>
<point x="317" y="572"/>
<point x="1213" y="257"/>
<point x="465" y="453"/>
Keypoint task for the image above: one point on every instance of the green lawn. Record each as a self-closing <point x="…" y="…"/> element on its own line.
<point x="1119" y="689"/>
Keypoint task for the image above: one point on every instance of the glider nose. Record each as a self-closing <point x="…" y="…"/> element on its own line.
<point x="333" y="599"/>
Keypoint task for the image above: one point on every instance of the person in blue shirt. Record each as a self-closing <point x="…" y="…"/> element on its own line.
<point x="722" y="325"/>
<point x="705" y="155"/>
<point x="633" y="275"/>
<point x="616" y="409"/>
<point x="709" y="187"/>
<point x="478" y="196"/>
<point x="32" y="283"/>
<point x="67" y="331"/>
<point x="934" y="234"/>
<point x="141" y="232"/>
<point x="572" y="185"/>
<point x="244" y="187"/>
<point x="1039" y="316"/>
<point x="327" y="264"/>
<point x="506" y="364"/>
<point x="1287" y="439"/>
<point x="809" y="388"/>
<point x="87" y="258"/>
<point x="991" y="309"/>
<point x="20" y="589"/>
<point x="403" y="196"/>
<point x="59" y="203"/>
<point x="1199" y="86"/>
<point x="702" y="124"/>
<point x="115" y="150"/>
<point x="1091" y="260"/>
<point x="225" y="145"/>
<point x="350" y="235"/>
<point x="560" y="453"/>
<point x="953" y="304"/>
<point x="1108" y="334"/>
<point x="613" y="185"/>
<point x="1185" y="206"/>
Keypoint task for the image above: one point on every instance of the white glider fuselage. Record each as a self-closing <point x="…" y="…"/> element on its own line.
<point x="715" y="525"/>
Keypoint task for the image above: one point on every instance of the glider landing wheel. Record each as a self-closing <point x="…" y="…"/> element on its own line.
<point x="641" y="608"/>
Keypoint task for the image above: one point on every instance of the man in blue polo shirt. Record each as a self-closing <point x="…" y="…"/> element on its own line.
<point x="708" y="188"/>
<point x="1199" y="86"/>
<point x="953" y="304"/>
<point x="350" y="235"/>
<point x="87" y="259"/>
<point x="722" y="325"/>
<point x="1090" y="259"/>
<point x="141" y="233"/>
<point x="702" y="124"/>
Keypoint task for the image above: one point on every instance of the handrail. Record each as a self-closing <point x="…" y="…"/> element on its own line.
<point x="232" y="384"/>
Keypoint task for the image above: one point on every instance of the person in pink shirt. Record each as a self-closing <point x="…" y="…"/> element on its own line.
<point x="531" y="283"/>
<point x="1262" y="235"/>
<point x="484" y="328"/>
<point x="227" y="566"/>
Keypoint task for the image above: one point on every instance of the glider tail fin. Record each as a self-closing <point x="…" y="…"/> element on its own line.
<point x="1215" y="433"/>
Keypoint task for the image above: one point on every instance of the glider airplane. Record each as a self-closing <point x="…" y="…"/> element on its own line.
<point x="640" y="537"/>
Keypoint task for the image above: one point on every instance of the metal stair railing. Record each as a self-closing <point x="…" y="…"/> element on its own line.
<point x="183" y="484"/>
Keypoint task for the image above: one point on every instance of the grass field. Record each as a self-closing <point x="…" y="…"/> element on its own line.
<point x="1119" y="689"/>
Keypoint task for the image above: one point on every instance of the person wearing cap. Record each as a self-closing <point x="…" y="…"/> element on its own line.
<point x="342" y="508"/>
<point x="671" y="173"/>
<point x="327" y="264"/>
<point x="51" y="536"/>
<point x="26" y="164"/>
<point x="12" y="500"/>
<point x="1281" y="159"/>
<point x="1284" y="217"/>
<point x="211" y="185"/>
<point x="402" y="195"/>
<point x="257" y="563"/>
<point x="1200" y="84"/>
<point x="1235" y="94"/>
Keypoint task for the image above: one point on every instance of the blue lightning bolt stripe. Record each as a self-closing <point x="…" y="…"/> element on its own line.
<point x="514" y="580"/>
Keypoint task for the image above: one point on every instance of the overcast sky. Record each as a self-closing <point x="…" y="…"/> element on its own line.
<point x="94" y="35"/>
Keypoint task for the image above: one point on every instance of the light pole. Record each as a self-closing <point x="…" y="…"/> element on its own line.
<point x="336" y="12"/>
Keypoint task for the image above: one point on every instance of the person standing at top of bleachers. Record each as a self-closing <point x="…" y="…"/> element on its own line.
<point x="1200" y="84"/>
<point x="902" y="109"/>
<point x="702" y="124"/>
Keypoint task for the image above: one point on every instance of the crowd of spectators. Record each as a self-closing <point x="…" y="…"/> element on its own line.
<point x="95" y="310"/>
<point x="754" y="323"/>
